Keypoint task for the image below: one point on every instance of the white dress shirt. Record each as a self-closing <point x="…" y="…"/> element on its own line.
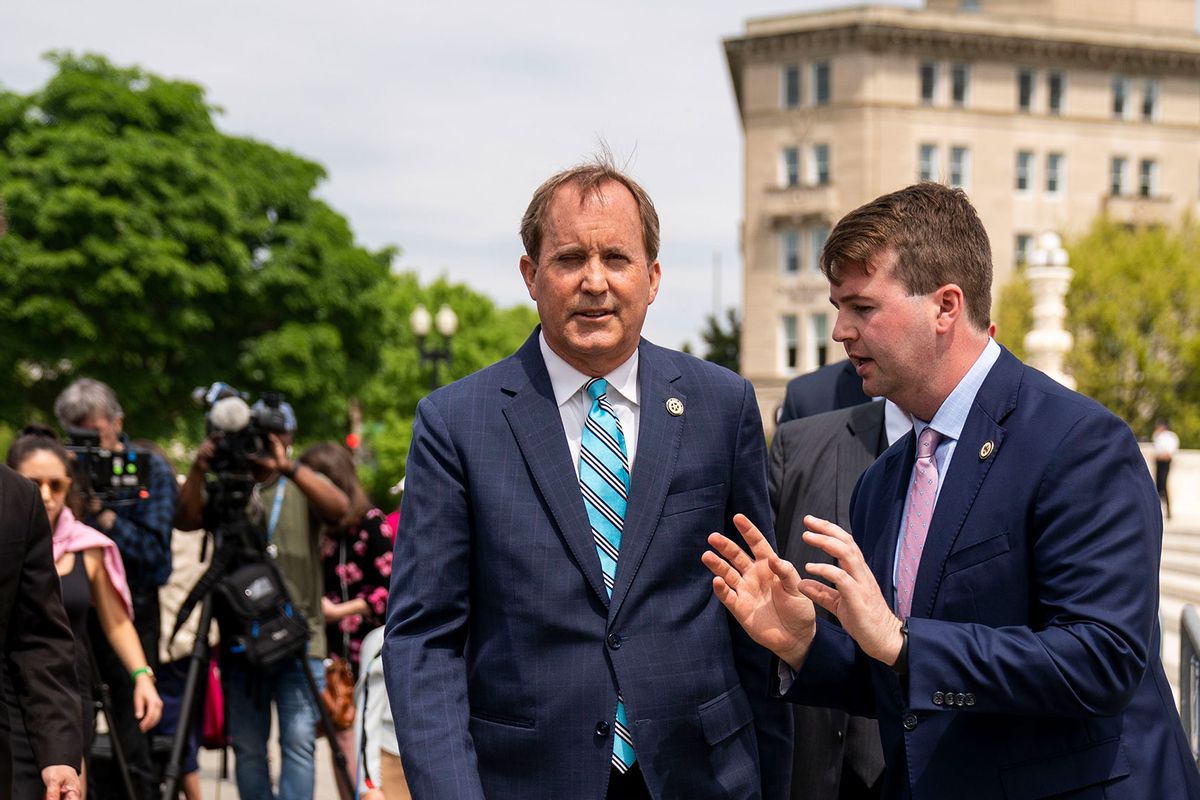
<point x="573" y="401"/>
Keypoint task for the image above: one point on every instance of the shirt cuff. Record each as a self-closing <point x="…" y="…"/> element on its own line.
<point x="786" y="677"/>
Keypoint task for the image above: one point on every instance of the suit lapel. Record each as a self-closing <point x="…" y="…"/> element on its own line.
<point x="536" y="424"/>
<point x="897" y="469"/>
<point x="968" y="469"/>
<point x="659" y="434"/>
<point x="855" y="453"/>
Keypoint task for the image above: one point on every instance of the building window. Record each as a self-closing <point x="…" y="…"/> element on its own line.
<point x="791" y="344"/>
<point x="959" y="78"/>
<point x="820" y="233"/>
<point x="1055" y="86"/>
<point x="1055" y="172"/>
<point x="789" y="251"/>
<point x="927" y="158"/>
<point x="791" y="86"/>
<point x="960" y="167"/>
<point x="1150" y="101"/>
<point x="819" y="334"/>
<point x="1120" y="96"/>
<point x="1148" y="178"/>
<point x="928" y="82"/>
<point x="1024" y="170"/>
<point x="1117" y="170"/>
<point x="820" y="164"/>
<point x="969" y="5"/>
<point x="1025" y="78"/>
<point x="1021" y="250"/>
<point x="791" y="166"/>
<point x="820" y="87"/>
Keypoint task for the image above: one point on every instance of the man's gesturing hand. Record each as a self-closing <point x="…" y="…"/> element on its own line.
<point x="855" y="598"/>
<point x="762" y="592"/>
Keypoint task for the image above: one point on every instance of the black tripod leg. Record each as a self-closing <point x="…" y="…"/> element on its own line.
<point x="113" y="737"/>
<point x="197" y="661"/>
<point x="339" y="758"/>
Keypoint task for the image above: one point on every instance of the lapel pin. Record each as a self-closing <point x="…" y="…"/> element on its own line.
<point x="675" y="407"/>
<point x="986" y="450"/>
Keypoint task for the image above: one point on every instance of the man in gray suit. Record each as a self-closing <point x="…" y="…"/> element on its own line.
<point x="815" y="463"/>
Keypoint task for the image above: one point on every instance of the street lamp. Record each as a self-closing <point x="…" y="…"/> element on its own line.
<point x="446" y="323"/>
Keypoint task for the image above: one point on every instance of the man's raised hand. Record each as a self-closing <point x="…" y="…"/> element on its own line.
<point x="762" y="591"/>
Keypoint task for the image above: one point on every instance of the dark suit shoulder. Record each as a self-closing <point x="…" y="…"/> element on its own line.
<point x="17" y="493"/>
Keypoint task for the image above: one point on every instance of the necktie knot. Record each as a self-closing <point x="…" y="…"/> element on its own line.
<point x="597" y="388"/>
<point x="928" y="442"/>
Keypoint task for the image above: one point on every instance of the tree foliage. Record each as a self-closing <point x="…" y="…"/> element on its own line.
<point x="151" y="251"/>
<point x="723" y="346"/>
<point x="1134" y="310"/>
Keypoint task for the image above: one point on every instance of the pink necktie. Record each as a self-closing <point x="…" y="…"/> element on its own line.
<point x="921" y="497"/>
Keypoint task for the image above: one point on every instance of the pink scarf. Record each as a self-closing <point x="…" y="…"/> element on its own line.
<point x="72" y="536"/>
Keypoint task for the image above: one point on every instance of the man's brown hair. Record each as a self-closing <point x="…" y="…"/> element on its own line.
<point x="937" y="237"/>
<point x="587" y="178"/>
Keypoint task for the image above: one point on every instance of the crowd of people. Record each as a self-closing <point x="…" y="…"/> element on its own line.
<point x="583" y="594"/>
<point x="112" y="551"/>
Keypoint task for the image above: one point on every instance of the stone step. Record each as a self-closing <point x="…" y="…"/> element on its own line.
<point x="1181" y="561"/>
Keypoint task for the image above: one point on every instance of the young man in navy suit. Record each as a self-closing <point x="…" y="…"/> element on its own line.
<point x="999" y="601"/>
<point x="551" y="632"/>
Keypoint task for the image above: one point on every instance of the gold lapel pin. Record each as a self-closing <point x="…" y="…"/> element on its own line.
<point x="675" y="407"/>
<point x="986" y="450"/>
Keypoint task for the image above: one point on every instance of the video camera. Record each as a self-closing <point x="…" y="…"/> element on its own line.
<point x="114" y="477"/>
<point x="245" y="430"/>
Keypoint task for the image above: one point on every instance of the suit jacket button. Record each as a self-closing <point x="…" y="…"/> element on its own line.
<point x="838" y="735"/>
<point x="938" y="697"/>
<point x="909" y="721"/>
<point x="960" y="699"/>
<point x="614" y="641"/>
<point x="602" y="728"/>
<point x="970" y="699"/>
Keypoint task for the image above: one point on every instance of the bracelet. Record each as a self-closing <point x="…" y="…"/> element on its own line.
<point x="142" y="671"/>
<point x="291" y="471"/>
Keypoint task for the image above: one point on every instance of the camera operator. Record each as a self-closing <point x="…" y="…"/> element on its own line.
<point x="141" y="527"/>
<point x="289" y="501"/>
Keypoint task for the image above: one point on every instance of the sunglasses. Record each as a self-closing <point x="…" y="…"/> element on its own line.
<point x="57" y="485"/>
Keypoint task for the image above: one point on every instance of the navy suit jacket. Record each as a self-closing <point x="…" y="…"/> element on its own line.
<point x="503" y="652"/>
<point x="826" y="389"/>
<point x="1034" y="638"/>
<point x="36" y="642"/>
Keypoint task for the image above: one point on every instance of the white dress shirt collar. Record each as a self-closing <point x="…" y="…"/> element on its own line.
<point x="567" y="381"/>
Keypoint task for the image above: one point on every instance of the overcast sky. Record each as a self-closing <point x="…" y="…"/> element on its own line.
<point x="436" y="120"/>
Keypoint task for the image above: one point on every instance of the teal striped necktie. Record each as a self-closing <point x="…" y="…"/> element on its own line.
<point x="604" y="480"/>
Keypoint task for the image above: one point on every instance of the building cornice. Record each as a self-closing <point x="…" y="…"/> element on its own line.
<point x="948" y="37"/>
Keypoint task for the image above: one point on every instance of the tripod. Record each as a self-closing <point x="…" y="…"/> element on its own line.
<point x="235" y="542"/>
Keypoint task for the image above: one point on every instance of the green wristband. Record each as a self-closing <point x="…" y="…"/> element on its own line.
<point x="142" y="671"/>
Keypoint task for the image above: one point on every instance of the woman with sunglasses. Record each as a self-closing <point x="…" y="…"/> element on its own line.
<point x="92" y="575"/>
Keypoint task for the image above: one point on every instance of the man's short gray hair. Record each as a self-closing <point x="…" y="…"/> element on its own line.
<point x="86" y="397"/>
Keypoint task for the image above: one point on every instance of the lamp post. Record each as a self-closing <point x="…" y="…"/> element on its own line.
<point x="1047" y="344"/>
<point x="434" y="354"/>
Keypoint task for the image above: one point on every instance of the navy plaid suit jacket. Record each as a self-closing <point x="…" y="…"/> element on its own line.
<point x="503" y="652"/>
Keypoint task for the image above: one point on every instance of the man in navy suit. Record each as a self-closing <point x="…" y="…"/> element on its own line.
<point x="825" y="389"/>
<point x="551" y="637"/>
<point x="999" y="600"/>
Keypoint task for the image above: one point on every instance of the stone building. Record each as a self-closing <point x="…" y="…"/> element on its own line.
<point x="1047" y="112"/>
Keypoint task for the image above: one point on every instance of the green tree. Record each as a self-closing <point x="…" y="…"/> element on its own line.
<point x="485" y="335"/>
<point x="151" y="251"/>
<point x="722" y="346"/>
<point x="1134" y="310"/>
<point x="1013" y="314"/>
